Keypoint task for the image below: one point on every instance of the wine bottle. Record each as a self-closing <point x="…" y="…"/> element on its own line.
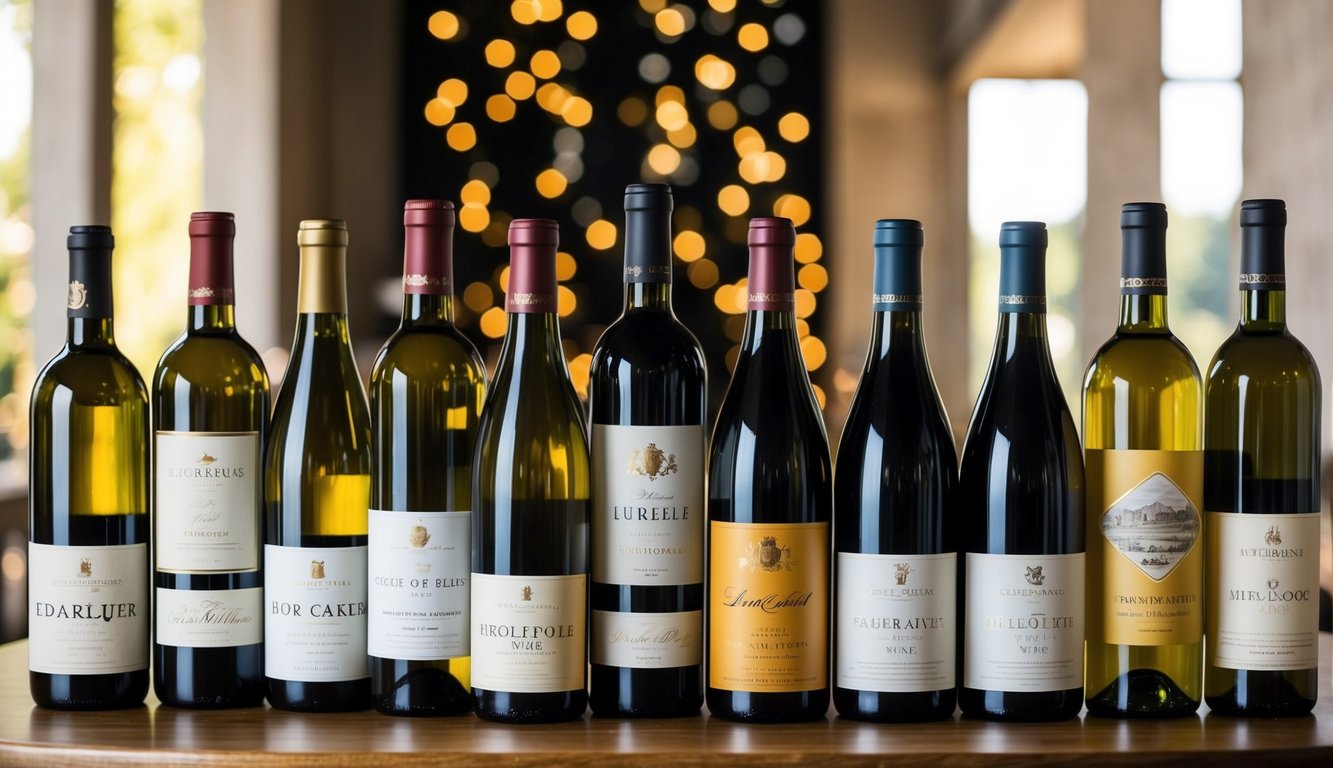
<point x="530" y="498"/>
<point x="425" y="398"/>
<point x="1021" y="486"/>
<point x="1261" y="490"/>
<point x="210" y="413"/>
<point x="770" y="499"/>
<point x="1142" y="434"/>
<point x="895" y="564"/>
<point x="88" y="505"/>
<point x="646" y="397"/>
<point x="317" y="496"/>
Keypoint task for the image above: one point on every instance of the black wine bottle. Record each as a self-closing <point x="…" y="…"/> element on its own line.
<point x="895" y="565"/>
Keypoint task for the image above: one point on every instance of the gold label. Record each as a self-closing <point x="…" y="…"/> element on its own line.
<point x="1145" y="556"/>
<point x="78" y="295"/>
<point x="768" y="602"/>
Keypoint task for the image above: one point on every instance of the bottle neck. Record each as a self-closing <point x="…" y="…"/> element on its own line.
<point x="322" y="288"/>
<point x="651" y="296"/>
<point x="895" y="330"/>
<point x="532" y="337"/>
<point x="427" y="310"/>
<point x="1020" y="332"/>
<point x="314" y="327"/>
<point x="212" y="317"/>
<point x="90" y="333"/>
<point x="769" y="326"/>
<point x="1143" y="313"/>
<point x="1263" y="310"/>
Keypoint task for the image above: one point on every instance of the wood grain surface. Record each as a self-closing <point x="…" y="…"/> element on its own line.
<point x="155" y="735"/>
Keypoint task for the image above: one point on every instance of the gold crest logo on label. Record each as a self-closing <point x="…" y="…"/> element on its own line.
<point x="206" y="459"/>
<point x="85" y="567"/>
<point x="418" y="536"/>
<point x="316" y="569"/>
<point x="1034" y="575"/>
<point x="1154" y="526"/>
<point x="527" y="594"/>
<point x="1273" y="536"/>
<point x="900" y="572"/>
<point x="651" y="462"/>
<point x="78" y="295"/>
<point x="768" y="556"/>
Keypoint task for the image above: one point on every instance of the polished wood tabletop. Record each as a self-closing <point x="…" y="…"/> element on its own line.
<point x="156" y="735"/>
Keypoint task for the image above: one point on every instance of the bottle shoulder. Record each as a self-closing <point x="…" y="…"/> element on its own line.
<point x="646" y="341"/>
<point x="210" y="360"/>
<point x="1140" y="361"/>
<point x="436" y="353"/>
<point x="1263" y="359"/>
<point x="93" y="375"/>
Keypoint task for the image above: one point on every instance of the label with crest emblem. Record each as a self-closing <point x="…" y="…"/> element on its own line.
<point x="419" y="564"/>
<point x="207" y="490"/>
<point x="529" y="633"/>
<point x="315" y="626"/>
<point x="87" y="609"/>
<point x="768" y="602"/>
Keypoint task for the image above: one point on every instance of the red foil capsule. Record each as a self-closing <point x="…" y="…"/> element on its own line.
<point x="532" y="284"/>
<point x="428" y="247"/>
<point x="212" y="236"/>
<point x="772" y="284"/>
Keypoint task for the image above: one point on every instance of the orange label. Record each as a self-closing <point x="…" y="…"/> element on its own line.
<point x="768" y="607"/>
<point x="1145" y="547"/>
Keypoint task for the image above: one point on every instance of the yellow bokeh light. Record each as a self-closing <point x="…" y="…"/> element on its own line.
<point x="755" y="167"/>
<point x="669" y="93"/>
<point x="581" y="25"/>
<point x="551" y="183"/>
<point x="747" y="141"/>
<point x="703" y="274"/>
<point x="802" y="328"/>
<point x="808" y="248"/>
<point x="689" y="245"/>
<point x="814" y="352"/>
<point x="565" y="266"/>
<point x="714" y="73"/>
<point x="805" y="303"/>
<point x="812" y="277"/>
<point x="722" y="115"/>
<point x="725" y="298"/>
<point x="478" y="297"/>
<point x="520" y="85"/>
<point x="670" y="22"/>
<point x="493" y="322"/>
<point x="777" y="166"/>
<point x="474" y="218"/>
<point x="443" y="24"/>
<point x="438" y="113"/>
<point x="733" y="200"/>
<point x="500" y="108"/>
<point x="452" y="92"/>
<point x="752" y="37"/>
<point x="504" y="279"/>
<point x="475" y="192"/>
<point x="672" y="115"/>
<point x="601" y="235"/>
<point x="794" y="127"/>
<point x="566" y="302"/>
<point x="549" y="10"/>
<point x="545" y="64"/>
<point x="524" y="11"/>
<point x="683" y="137"/>
<point x="742" y="296"/>
<point x="663" y="158"/>
<point x="652" y="6"/>
<point x="722" y="6"/>
<point x="461" y="136"/>
<point x="579" y="369"/>
<point x="632" y="111"/>
<point x="820" y="396"/>
<point x="794" y="207"/>
<point x="577" y="111"/>
<point x="552" y="96"/>
<point x="499" y="53"/>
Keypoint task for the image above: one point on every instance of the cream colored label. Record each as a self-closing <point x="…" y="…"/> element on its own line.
<point x="768" y="602"/>
<point x="1023" y="631"/>
<point x="87" y="609"/>
<point x="1264" y="599"/>
<point x="315" y="629"/>
<point x="648" y="505"/>
<point x="419" y="595"/>
<point x="896" y="631"/>
<point x="1145" y="547"/>
<point x="647" y="640"/>
<point x="210" y="618"/>
<point x="529" y="633"/>
<point x="206" y="502"/>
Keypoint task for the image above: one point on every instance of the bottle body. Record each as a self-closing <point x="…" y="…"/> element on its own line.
<point x="316" y="495"/>
<point x="647" y="406"/>
<point x="1021" y="486"/>
<point x="895" y="563"/>
<point x="425" y="399"/>
<point x="769" y="510"/>
<point x="1262" y="414"/>
<point x="1143" y="432"/>
<point x="210" y="406"/>
<point x="88" y="505"/>
<point x="531" y="501"/>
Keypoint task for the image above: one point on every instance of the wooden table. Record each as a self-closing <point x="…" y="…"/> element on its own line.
<point x="33" y="737"/>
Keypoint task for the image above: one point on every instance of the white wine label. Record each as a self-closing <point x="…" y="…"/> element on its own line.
<point x="1024" y="625"/>
<point x="88" y="609"/>
<point x="647" y="640"/>
<point x="1263" y="579"/>
<point x="210" y="618"/>
<point x="207" y="502"/>
<point x="648" y="509"/>
<point x="315" y="630"/>
<point x="896" y="631"/>
<point x="419" y="568"/>
<point x="528" y="633"/>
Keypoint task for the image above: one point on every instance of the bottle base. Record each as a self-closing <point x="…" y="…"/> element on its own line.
<point x="1142" y="694"/>
<point x="748" y="707"/>
<point x="1250" y="693"/>
<point x="1015" y="707"/>
<point x="123" y="690"/>
<point x="879" y="707"/>
<point x="423" y="692"/>
<point x="529" y="708"/>
<point x="295" y="696"/>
